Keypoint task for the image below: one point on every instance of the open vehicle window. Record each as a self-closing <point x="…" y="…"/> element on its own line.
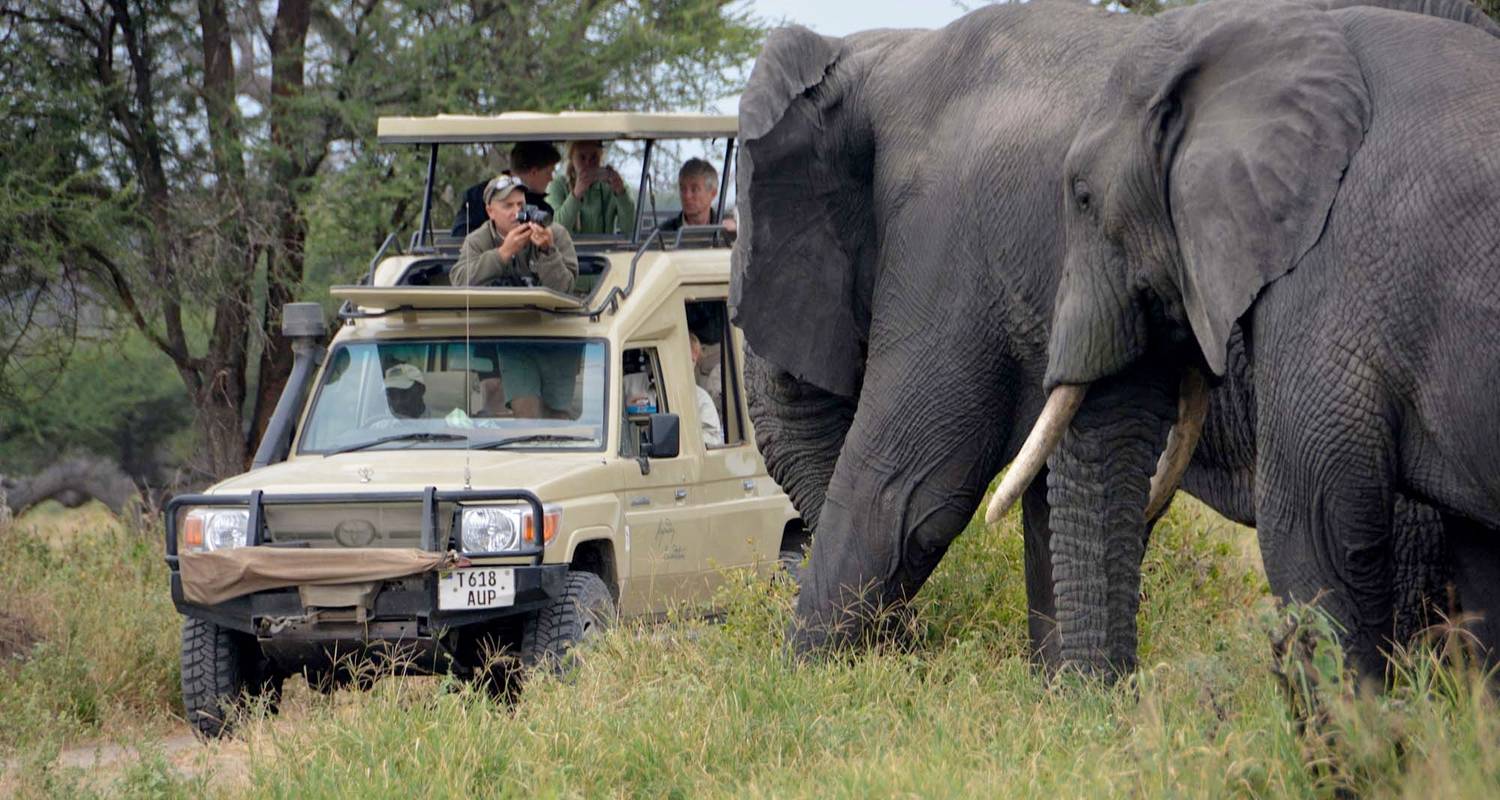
<point x="642" y="394"/>
<point x="714" y="370"/>
<point x="442" y="394"/>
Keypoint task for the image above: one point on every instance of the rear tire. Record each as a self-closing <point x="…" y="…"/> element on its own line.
<point x="221" y="669"/>
<point x="583" y="611"/>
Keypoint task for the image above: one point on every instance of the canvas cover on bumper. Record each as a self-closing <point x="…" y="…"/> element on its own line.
<point x="211" y="578"/>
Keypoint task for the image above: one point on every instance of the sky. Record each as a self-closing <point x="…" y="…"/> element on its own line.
<point x="840" y="17"/>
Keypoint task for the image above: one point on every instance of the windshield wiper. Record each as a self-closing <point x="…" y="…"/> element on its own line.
<point x="412" y="436"/>
<point x="531" y="437"/>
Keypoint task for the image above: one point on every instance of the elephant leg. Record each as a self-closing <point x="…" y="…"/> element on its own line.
<point x="1041" y="602"/>
<point x="1325" y="505"/>
<point x="1098" y="486"/>
<point x="1476" y="578"/>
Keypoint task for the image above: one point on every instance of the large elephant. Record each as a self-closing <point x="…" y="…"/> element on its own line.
<point x="1328" y="182"/>
<point x="900" y="246"/>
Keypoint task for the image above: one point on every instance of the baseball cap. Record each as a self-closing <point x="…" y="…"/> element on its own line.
<point x="402" y="376"/>
<point x="501" y="185"/>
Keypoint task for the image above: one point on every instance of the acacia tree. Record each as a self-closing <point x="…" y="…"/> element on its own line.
<point x="163" y="155"/>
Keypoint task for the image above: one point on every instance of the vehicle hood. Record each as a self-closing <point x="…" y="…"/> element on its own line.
<point x="415" y="470"/>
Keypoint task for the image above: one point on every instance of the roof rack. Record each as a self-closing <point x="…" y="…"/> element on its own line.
<point x="518" y="126"/>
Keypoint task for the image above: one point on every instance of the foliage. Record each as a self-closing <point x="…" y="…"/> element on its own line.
<point x="177" y="163"/>
<point x="92" y="593"/>
<point x="117" y="398"/>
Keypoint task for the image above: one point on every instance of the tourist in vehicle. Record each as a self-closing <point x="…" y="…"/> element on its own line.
<point x="697" y="186"/>
<point x="708" y="414"/>
<point x="590" y="197"/>
<point x="506" y="251"/>
<point x="533" y="163"/>
<point x="406" y="391"/>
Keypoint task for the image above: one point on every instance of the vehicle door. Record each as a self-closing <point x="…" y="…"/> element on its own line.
<point x="662" y="528"/>
<point x="743" y="509"/>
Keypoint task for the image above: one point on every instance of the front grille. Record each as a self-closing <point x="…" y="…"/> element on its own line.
<point x="351" y="525"/>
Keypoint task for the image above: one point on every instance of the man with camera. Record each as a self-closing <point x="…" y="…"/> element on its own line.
<point x="518" y="246"/>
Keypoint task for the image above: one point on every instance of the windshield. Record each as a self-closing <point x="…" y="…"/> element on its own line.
<point x="445" y="394"/>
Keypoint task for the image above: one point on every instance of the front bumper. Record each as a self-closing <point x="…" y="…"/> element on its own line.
<point x="410" y="600"/>
<point x="404" y="609"/>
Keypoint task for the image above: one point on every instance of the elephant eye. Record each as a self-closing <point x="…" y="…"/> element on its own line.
<point x="1081" y="194"/>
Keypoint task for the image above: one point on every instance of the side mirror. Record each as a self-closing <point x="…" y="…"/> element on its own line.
<point x="662" y="438"/>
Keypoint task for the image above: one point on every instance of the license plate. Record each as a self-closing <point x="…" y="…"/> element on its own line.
<point x="479" y="587"/>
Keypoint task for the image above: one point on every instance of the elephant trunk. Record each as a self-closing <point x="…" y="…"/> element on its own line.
<point x="1062" y="404"/>
<point x="1192" y="409"/>
<point x="1097" y="487"/>
<point x="799" y="429"/>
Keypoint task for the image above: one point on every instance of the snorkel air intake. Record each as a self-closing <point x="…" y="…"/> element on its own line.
<point x="303" y="324"/>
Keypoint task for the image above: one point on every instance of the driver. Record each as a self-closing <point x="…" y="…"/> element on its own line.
<point x="508" y="252"/>
<point x="406" y="391"/>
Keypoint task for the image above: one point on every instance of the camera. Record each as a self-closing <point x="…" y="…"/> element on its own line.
<point x="531" y="213"/>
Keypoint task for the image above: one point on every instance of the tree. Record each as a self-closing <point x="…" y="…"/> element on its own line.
<point x="163" y="156"/>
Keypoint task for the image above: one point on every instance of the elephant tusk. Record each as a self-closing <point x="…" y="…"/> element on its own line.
<point x="1062" y="404"/>
<point x="1192" y="408"/>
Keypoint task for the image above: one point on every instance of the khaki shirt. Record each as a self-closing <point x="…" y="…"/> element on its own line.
<point x="479" y="262"/>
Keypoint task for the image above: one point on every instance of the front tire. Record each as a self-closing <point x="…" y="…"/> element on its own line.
<point x="583" y="611"/>
<point x="221" y="669"/>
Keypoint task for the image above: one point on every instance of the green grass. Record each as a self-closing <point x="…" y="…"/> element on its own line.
<point x="693" y="709"/>
<point x="88" y="595"/>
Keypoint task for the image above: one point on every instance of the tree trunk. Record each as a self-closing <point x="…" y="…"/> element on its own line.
<point x="293" y="162"/>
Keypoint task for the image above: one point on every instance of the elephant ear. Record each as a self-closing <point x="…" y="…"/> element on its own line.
<point x="1253" y="127"/>
<point x="801" y="265"/>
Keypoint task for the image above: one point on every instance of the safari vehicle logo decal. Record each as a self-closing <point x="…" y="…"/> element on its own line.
<point x="365" y="474"/>
<point x="666" y="542"/>
<point x="354" y="533"/>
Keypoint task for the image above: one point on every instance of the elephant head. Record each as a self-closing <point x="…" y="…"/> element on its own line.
<point x="1205" y="170"/>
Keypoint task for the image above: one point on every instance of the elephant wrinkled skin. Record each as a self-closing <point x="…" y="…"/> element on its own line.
<point x="899" y="252"/>
<point x="1351" y="234"/>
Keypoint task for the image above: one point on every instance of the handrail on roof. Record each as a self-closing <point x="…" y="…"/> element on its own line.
<point x="610" y="302"/>
<point x="368" y="279"/>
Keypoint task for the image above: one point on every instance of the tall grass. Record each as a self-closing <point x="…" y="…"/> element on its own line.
<point x="692" y="709"/>
<point x="90" y="595"/>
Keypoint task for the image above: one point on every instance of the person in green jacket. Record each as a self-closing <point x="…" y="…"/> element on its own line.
<point x="591" y="197"/>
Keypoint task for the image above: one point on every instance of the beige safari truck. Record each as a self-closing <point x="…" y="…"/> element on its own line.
<point x="464" y="471"/>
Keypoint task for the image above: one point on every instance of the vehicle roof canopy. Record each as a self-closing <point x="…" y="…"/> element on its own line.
<point x="519" y="126"/>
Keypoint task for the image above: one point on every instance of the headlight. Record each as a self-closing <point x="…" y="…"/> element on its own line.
<point x="491" y="530"/>
<point x="500" y="529"/>
<point x="205" y="530"/>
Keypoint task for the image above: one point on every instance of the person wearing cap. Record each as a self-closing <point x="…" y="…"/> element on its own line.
<point x="504" y="252"/>
<point x="406" y="391"/>
<point x="533" y="163"/>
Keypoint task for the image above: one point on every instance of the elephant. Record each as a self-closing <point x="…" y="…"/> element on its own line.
<point x="1323" y="183"/>
<point x="898" y="258"/>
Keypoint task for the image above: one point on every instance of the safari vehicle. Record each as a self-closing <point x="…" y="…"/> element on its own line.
<point x="438" y="526"/>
